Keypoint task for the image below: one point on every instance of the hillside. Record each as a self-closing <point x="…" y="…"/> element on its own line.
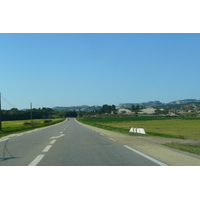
<point x="144" y="104"/>
<point x="77" y="108"/>
<point x="171" y="105"/>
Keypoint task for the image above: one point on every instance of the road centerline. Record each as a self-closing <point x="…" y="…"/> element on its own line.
<point x="36" y="160"/>
<point x="46" y="149"/>
<point x="52" y="142"/>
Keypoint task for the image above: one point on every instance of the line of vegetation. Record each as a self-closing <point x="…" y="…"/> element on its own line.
<point x="44" y="113"/>
<point x="17" y="126"/>
<point x="194" y="149"/>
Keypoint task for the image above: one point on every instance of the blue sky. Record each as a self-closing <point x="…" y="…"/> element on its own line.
<point x="95" y="69"/>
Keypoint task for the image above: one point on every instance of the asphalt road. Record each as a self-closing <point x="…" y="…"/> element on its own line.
<point x="69" y="144"/>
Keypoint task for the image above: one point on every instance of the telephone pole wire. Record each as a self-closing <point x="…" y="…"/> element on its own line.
<point x="0" y="113"/>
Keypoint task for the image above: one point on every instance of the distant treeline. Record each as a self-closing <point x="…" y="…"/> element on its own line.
<point x="44" y="113"/>
<point x="49" y="113"/>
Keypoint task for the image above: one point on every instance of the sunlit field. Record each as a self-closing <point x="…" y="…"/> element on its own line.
<point x="164" y="127"/>
<point x="24" y="125"/>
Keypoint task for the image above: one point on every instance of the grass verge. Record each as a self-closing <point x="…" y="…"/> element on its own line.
<point x="18" y="126"/>
<point x="194" y="149"/>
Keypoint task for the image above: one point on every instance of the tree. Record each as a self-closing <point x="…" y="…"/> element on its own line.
<point x="71" y="114"/>
<point x="105" y="108"/>
<point x="14" y="111"/>
<point x="113" y="109"/>
<point x="157" y="111"/>
<point x="132" y="107"/>
<point x="136" y="113"/>
<point x="197" y="109"/>
<point x="165" y="111"/>
<point x="137" y="107"/>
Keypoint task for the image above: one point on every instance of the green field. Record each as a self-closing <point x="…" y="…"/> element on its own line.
<point x="9" y="127"/>
<point x="184" y="128"/>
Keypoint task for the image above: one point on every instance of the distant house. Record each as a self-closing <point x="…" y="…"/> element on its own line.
<point x="148" y="111"/>
<point x="124" y="110"/>
<point x="172" y="114"/>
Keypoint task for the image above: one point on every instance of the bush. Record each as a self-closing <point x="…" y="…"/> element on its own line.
<point x="31" y="123"/>
<point x="48" y="121"/>
<point x="27" y="123"/>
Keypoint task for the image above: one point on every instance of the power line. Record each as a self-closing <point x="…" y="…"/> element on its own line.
<point x="8" y="102"/>
<point x="0" y="113"/>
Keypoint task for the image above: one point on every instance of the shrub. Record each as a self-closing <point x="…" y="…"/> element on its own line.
<point x="27" y="123"/>
<point x="31" y="123"/>
<point x="48" y="121"/>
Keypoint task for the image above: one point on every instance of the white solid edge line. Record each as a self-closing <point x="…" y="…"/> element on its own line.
<point x="4" y="139"/>
<point x="146" y="156"/>
<point x="47" y="148"/>
<point x="36" y="160"/>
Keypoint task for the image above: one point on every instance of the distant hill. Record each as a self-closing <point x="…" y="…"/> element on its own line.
<point x="144" y="104"/>
<point x="184" y="101"/>
<point x="77" y="108"/>
<point x="173" y="104"/>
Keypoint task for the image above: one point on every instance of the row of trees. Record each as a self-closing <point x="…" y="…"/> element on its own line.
<point x="44" y="113"/>
<point x="164" y="112"/>
<point x="192" y="107"/>
<point x="108" y="109"/>
<point x="105" y="109"/>
<point x="48" y="113"/>
<point x="136" y="107"/>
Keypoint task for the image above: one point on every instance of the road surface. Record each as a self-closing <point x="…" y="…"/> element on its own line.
<point x="69" y="144"/>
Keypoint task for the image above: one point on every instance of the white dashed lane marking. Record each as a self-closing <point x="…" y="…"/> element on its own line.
<point x="36" y="160"/>
<point x="52" y="142"/>
<point x="112" y="139"/>
<point x="46" y="149"/>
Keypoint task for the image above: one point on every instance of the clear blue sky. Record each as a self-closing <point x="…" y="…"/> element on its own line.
<point x="95" y="69"/>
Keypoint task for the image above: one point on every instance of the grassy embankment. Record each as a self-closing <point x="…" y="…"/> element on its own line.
<point x="9" y="127"/>
<point x="182" y="128"/>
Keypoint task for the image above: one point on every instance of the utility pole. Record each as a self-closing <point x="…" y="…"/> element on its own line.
<point x="31" y="114"/>
<point x="0" y="113"/>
